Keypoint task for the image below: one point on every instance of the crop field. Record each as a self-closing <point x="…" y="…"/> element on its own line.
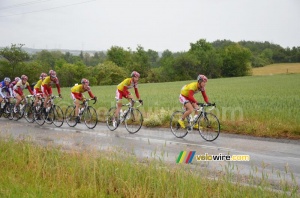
<point x="280" y="68"/>
<point x="266" y="106"/>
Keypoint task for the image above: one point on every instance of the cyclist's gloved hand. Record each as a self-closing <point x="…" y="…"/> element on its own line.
<point x="208" y="104"/>
<point x="95" y="98"/>
<point x="60" y="95"/>
<point x="141" y="101"/>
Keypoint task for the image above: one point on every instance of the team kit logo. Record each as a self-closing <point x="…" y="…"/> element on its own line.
<point x="187" y="157"/>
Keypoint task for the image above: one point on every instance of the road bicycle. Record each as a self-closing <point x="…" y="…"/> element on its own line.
<point x="38" y="111"/>
<point x="52" y="114"/>
<point x="5" y="109"/>
<point x="86" y="113"/>
<point x="208" y="123"/>
<point x="29" y="109"/>
<point x="17" y="112"/>
<point x="132" y="117"/>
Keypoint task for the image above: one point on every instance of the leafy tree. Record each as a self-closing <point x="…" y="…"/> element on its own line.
<point x="153" y="57"/>
<point x="119" y="56"/>
<point x="108" y="73"/>
<point x="15" y="56"/>
<point x="236" y="61"/>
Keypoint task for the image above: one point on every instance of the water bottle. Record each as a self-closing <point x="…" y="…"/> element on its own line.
<point x="47" y="109"/>
<point x="190" y="118"/>
<point x="2" y="105"/>
<point x="81" y="110"/>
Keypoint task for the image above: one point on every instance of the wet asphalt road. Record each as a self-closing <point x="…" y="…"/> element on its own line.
<point x="274" y="158"/>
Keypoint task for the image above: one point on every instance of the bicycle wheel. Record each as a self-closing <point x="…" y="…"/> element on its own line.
<point x="70" y="116"/>
<point x="209" y="127"/>
<point x="7" y="111"/>
<point x="110" y="117"/>
<point x="90" y="117"/>
<point x="58" y="116"/>
<point x="28" y="113"/>
<point x="176" y="129"/>
<point x="38" y="115"/>
<point x="133" y="120"/>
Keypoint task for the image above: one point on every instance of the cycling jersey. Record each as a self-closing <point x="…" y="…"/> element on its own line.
<point x="77" y="91"/>
<point x="126" y="84"/>
<point x="19" y="87"/>
<point x="189" y="90"/>
<point x="46" y="85"/>
<point x="5" y="88"/>
<point x="38" y="84"/>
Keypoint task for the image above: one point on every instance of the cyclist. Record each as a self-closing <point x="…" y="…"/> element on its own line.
<point x="47" y="88"/>
<point x="37" y="89"/>
<point x="186" y="97"/>
<point x="77" y="96"/>
<point x="18" y="90"/>
<point x="5" y="90"/>
<point x="122" y="91"/>
<point x="12" y="84"/>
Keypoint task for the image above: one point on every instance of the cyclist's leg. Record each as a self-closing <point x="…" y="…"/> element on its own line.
<point x="18" y="101"/>
<point x="119" y="96"/>
<point x="189" y="109"/>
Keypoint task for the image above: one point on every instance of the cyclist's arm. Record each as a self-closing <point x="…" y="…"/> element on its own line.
<point x="205" y="96"/>
<point x="137" y="93"/>
<point x="191" y="96"/>
<point x="29" y="89"/>
<point x="58" y="88"/>
<point x="1" y="92"/>
<point x="91" y="94"/>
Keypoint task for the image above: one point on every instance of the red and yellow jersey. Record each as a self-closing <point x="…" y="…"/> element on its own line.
<point x="126" y="84"/>
<point x="48" y="81"/>
<point x="79" y="89"/>
<point x="38" y="84"/>
<point x="189" y="90"/>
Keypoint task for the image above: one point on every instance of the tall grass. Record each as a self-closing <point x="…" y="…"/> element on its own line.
<point x="255" y="105"/>
<point x="32" y="171"/>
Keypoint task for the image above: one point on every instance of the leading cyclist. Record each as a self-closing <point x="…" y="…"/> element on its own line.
<point x="186" y="97"/>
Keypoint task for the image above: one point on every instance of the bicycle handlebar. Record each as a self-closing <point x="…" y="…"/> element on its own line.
<point x="207" y="104"/>
<point x="134" y="101"/>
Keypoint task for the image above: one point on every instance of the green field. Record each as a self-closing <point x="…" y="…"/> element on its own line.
<point x="266" y="106"/>
<point x="33" y="171"/>
<point x="279" y="68"/>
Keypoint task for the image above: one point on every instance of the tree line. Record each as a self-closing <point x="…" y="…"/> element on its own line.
<point x="221" y="58"/>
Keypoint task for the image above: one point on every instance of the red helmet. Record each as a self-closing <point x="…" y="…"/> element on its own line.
<point x="202" y="78"/>
<point x="135" y="74"/>
<point x="52" y="73"/>
<point x="24" y="77"/>
<point x="85" y="81"/>
<point x="43" y="75"/>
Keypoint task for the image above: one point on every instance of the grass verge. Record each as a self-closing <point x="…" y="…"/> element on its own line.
<point x="31" y="171"/>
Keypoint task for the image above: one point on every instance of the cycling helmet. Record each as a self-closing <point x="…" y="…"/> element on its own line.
<point x="43" y="75"/>
<point x="52" y="73"/>
<point x="85" y="81"/>
<point x="202" y="78"/>
<point x="17" y="79"/>
<point x="24" y="77"/>
<point x="135" y="74"/>
<point x="6" y="79"/>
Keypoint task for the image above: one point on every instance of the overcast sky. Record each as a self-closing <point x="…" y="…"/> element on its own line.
<point x="153" y="24"/>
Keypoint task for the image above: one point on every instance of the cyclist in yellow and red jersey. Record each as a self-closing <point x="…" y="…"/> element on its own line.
<point x="18" y="90"/>
<point x="186" y="97"/>
<point x="122" y="90"/>
<point x="47" y="88"/>
<point x="37" y="88"/>
<point x="77" y="96"/>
